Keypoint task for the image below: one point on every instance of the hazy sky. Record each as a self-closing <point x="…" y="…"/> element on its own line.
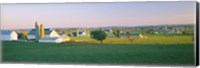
<point x="20" y="16"/>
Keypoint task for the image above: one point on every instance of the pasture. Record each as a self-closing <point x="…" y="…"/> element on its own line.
<point x="87" y="53"/>
<point x="152" y="39"/>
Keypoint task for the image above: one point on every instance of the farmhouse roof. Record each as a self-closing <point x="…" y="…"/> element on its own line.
<point x="6" y="32"/>
<point x="47" y="31"/>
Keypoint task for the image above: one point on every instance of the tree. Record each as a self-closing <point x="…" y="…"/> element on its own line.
<point x="117" y="33"/>
<point x="184" y="33"/>
<point x="23" y="36"/>
<point x="128" y="32"/>
<point x="69" y="35"/>
<point x="99" y="35"/>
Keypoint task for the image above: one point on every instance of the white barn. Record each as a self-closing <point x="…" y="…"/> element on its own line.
<point x="48" y="33"/>
<point x="9" y="35"/>
<point x="50" y="40"/>
<point x="60" y="39"/>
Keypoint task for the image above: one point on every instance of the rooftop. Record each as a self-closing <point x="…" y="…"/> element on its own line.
<point x="47" y="31"/>
<point x="6" y="32"/>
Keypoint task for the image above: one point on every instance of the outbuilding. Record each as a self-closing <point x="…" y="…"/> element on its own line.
<point x="62" y="38"/>
<point x="51" y="40"/>
<point x="9" y="35"/>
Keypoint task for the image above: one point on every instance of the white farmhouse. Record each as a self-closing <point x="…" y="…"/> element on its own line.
<point x="48" y="33"/>
<point x="9" y="35"/>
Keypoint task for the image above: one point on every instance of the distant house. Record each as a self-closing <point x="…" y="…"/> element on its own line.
<point x="9" y="35"/>
<point x="109" y="31"/>
<point x="110" y="35"/>
<point x="136" y="35"/>
<point x="48" y="33"/>
<point x="80" y="33"/>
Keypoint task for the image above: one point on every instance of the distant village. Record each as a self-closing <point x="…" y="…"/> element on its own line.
<point x="50" y="35"/>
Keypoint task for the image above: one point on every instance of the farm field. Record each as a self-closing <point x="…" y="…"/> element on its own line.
<point x="76" y="53"/>
<point x="152" y="39"/>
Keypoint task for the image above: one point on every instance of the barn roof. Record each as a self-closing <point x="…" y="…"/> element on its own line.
<point x="47" y="31"/>
<point x="6" y="32"/>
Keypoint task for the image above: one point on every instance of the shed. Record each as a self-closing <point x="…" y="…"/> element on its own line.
<point x="9" y="35"/>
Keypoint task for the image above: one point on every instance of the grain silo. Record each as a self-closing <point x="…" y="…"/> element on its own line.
<point x="37" y="31"/>
<point x="42" y="32"/>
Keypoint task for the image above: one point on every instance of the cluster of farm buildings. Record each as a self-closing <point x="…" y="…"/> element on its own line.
<point x="40" y="34"/>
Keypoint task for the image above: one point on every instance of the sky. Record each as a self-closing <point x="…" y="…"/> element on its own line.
<point x="69" y="15"/>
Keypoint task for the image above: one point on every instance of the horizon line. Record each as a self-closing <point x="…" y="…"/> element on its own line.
<point x="100" y="27"/>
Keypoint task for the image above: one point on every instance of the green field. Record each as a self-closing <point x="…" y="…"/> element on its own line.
<point x="144" y="54"/>
<point x="152" y="39"/>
